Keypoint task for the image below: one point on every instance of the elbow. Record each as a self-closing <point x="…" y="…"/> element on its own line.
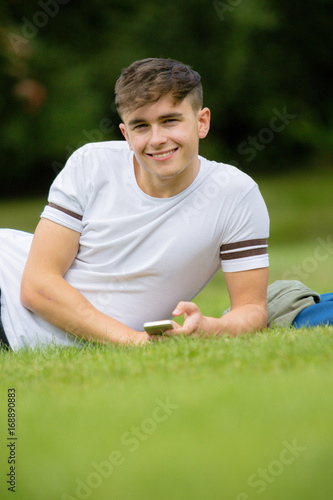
<point x="28" y="294"/>
<point x="25" y="294"/>
<point x="36" y="293"/>
<point x="250" y="318"/>
<point x="260" y="320"/>
<point x="256" y="319"/>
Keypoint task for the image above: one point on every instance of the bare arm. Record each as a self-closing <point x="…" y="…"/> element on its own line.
<point x="248" y="297"/>
<point x="45" y="291"/>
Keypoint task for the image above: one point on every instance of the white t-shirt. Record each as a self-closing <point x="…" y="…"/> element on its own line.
<point x="138" y="255"/>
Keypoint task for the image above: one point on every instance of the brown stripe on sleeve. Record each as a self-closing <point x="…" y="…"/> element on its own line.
<point x="244" y="253"/>
<point x="66" y="211"/>
<point x="243" y="244"/>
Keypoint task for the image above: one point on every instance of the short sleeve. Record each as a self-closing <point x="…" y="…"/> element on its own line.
<point x="245" y="243"/>
<point x="67" y="196"/>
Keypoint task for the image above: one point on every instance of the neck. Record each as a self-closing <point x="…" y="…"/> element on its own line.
<point x="159" y="187"/>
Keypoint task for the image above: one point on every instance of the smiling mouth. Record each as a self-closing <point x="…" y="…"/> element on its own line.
<point x="161" y="156"/>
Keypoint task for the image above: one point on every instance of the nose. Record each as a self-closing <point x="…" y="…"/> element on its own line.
<point x="157" y="137"/>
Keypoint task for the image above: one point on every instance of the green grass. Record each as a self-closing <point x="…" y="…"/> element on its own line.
<point x="232" y="419"/>
<point x="300" y="206"/>
<point x="22" y="214"/>
<point x="233" y="404"/>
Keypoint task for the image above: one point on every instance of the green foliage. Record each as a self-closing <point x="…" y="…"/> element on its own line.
<point x="59" y="64"/>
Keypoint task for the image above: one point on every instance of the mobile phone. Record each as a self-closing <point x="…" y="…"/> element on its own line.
<point x="157" y="327"/>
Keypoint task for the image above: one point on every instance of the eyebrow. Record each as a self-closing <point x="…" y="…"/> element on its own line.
<point x="136" y="121"/>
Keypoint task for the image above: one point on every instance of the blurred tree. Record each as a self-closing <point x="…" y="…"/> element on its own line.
<point x="265" y="66"/>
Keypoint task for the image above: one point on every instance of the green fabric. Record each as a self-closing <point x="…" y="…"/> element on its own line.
<point x="286" y="299"/>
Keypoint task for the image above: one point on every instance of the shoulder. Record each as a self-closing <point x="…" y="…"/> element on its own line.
<point x="91" y="166"/>
<point x="94" y="149"/>
<point x="228" y="179"/>
<point x="97" y="157"/>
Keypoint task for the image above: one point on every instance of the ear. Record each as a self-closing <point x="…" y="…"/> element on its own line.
<point x="125" y="134"/>
<point x="203" y="122"/>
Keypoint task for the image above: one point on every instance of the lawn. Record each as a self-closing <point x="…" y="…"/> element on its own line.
<point x="232" y="419"/>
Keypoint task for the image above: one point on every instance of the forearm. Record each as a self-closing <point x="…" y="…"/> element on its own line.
<point x="245" y="319"/>
<point x="63" y="306"/>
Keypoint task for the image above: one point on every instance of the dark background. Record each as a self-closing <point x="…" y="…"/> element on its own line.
<point x="265" y="66"/>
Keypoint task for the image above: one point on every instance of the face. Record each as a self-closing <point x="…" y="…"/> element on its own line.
<point x="165" y="140"/>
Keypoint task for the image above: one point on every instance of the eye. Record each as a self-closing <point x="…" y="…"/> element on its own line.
<point x="140" y="126"/>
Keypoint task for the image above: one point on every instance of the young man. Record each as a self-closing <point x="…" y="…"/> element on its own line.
<point x="135" y="229"/>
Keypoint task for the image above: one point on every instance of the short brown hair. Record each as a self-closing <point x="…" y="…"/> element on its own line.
<point x="147" y="80"/>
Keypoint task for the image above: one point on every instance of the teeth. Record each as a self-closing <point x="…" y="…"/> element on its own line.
<point x="162" y="155"/>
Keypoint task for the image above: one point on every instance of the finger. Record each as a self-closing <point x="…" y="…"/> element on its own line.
<point x="185" y="308"/>
<point x="178" y="311"/>
<point x="174" y="333"/>
<point x="177" y="330"/>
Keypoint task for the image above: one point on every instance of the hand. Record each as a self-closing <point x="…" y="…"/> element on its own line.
<point x="194" y="321"/>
